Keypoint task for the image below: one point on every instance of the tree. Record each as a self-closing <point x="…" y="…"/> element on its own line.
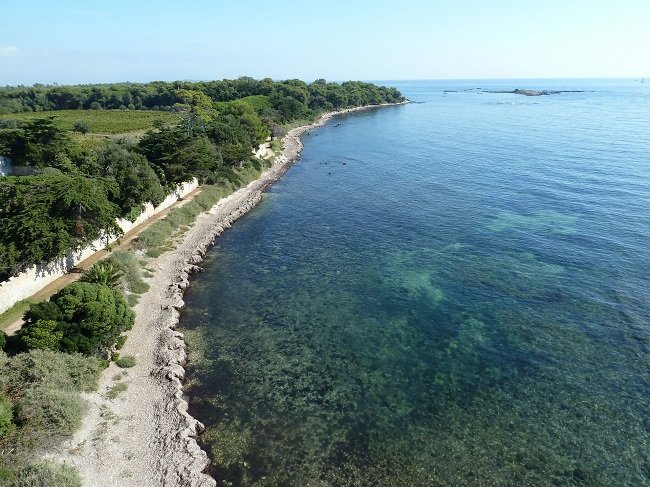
<point x="44" y="217"/>
<point x="199" y="158"/>
<point x="197" y="107"/>
<point x="136" y="181"/>
<point x="85" y="317"/>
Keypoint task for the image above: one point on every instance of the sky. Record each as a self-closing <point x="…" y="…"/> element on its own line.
<point x="68" y="41"/>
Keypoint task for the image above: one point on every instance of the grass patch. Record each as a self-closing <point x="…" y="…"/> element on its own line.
<point x="157" y="238"/>
<point x="15" y="312"/>
<point x="100" y="121"/>
<point x="125" y="362"/>
<point x="47" y="473"/>
<point x="115" y="391"/>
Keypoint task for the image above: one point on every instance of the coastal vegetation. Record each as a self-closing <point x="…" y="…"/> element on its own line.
<point x="88" y="155"/>
<point x="76" y="191"/>
<point x="39" y="405"/>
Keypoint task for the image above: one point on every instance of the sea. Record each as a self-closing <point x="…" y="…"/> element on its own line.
<point x="453" y="292"/>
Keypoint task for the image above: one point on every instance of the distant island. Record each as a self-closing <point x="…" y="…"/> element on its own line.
<point x="536" y="92"/>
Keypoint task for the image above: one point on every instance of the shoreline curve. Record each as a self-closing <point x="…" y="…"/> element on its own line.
<point x="145" y="436"/>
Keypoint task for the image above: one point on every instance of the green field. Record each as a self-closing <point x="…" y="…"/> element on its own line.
<point x="101" y="121"/>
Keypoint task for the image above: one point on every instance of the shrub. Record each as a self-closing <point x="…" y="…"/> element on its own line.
<point x="47" y="474"/>
<point x="114" y="391"/>
<point x="81" y="126"/>
<point x="95" y="106"/>
<point x="209" y="196"/>
<point x="125" y="362"/>
<point x="138" y="287"/>
<point x="71" y="372"/>
<point x="43" y="408"/>
<point x="128" y="264"/>
<point x="120" y="342"/>
<point x="82" y="317"/>
<point x="154" y="236"/>
<point x="103" y="273"/>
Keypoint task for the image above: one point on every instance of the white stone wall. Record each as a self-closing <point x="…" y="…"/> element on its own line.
<point x="37" y="277"/>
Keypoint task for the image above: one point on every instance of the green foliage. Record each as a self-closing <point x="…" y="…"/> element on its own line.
<point x="136" y="181"/>
<point x="43" y="334"/>
<point x="37" y="143"/>
<point x="39" y="402"/>
<point x="155" y="236"/>
<point x="160" y="95"/>
<point x="127" y="263"/>
<point x="68" y="372"/>
<point x="160" y="146"/>
<point x="114" y="391"/>
<point x="44" y="217"/>
<point x="81" y="126"/>
<point x="138" y="287"/>
<point x="103" y="273"/>
<point x="125" y="362"/>
<point x="47" y="474"/>
<point x="82" y="317"/>
<point x="44" y="408"/>
<point x="6" y="416"/>
<point x="120" y="342"/>
<point x="100" y="121"/>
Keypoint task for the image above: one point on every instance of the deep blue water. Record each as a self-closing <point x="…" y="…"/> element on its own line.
<point x="454" y="292"/>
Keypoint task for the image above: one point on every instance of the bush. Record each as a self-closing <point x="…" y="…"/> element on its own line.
<point x="103" y="273"/>
<point x="82" y="317"/>
<point x="155" y="236"/>
<point x="209" y="196"/>
<point x="114" y="391"/>
<point x="125" y="362"/>
<point x="70" y="372"/>
<point x="47" y="474"/>
<point x="120" y="342"/>
<point x="81" y="126"/>
<point x="55" y="410"/>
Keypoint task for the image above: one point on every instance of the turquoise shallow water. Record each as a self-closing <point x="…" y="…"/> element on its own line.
<point x="446" y="293"/>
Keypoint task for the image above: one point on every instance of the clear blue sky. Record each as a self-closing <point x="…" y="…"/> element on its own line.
<point x="70" y="41"/>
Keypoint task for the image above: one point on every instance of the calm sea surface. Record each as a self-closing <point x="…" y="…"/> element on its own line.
<point x="455" y="292"/>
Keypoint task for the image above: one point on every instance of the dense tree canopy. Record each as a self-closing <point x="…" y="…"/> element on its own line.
<point x="136" y="180"/>
<point x="83" y="317"/>
<point x="81" y="191"/>
<point x="45" y="216"/>
<point x="289" y="97"/>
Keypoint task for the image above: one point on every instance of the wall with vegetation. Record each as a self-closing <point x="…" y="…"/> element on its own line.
<point x="36" y="277"/>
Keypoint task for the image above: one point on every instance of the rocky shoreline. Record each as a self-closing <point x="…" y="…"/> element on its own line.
<point x="145" y="436"/>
